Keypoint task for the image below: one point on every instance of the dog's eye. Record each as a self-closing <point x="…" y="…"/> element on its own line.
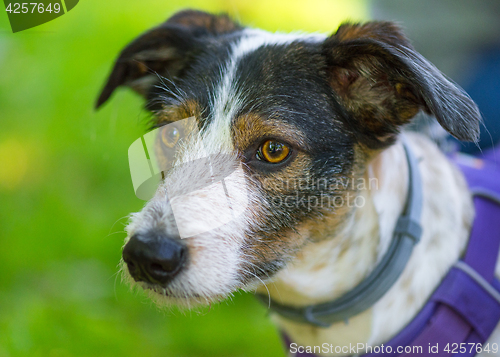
<point x="170" y="136"/>
<point x="273" y="152"/>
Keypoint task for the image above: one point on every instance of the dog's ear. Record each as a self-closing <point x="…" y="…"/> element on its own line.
<point x="164" y="50"/>
<point x="383" y="82"/>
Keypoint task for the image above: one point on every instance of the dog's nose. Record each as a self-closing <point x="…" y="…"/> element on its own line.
<point x="154" y="258"/>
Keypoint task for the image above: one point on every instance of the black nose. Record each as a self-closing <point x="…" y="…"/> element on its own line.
<point x="154" y="258"/>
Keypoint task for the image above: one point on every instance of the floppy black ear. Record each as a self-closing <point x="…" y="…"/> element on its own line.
<point x="383" y="82"/>
<point x="164" y="50"/>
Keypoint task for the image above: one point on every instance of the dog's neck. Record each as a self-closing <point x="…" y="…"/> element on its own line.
<point x="327" y="269"/>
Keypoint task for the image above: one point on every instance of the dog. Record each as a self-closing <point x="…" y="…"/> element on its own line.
<point x="311" y="128"/>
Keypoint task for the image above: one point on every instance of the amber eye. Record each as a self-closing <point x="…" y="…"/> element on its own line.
<point x="273" y="151"/>
<point x="170" y="136"/>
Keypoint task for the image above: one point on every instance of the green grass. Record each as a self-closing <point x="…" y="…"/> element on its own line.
<point x="65" y="189"/>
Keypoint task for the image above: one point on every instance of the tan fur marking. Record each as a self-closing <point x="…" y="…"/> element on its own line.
<point x="259" y="251"/>
<point x="251" y="127"/>
<point x="374" y="30"/>
<point x="185" y="110"/>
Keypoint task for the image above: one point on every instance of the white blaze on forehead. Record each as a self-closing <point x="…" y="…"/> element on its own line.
<point x="226" y="100"/>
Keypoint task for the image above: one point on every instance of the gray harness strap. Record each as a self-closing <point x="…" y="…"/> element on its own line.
<point x="406" y="234"/>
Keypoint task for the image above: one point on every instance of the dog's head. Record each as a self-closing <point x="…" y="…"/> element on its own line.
<point x="294" y="117"/>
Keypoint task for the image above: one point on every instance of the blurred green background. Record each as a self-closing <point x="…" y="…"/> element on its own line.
<point x="65" y="189"/>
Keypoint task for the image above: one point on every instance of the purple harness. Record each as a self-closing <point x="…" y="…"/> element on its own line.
<point x="465" y="307"/>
